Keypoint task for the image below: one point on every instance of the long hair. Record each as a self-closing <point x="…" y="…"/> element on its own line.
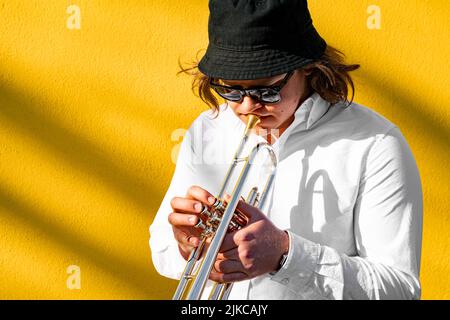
<point x="329" y="76"/>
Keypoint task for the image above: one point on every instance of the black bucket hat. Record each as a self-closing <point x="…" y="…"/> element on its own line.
<point x="253" y="39"/>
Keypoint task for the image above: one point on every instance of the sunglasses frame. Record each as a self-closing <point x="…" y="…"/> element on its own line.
<point x="250" y="91"/>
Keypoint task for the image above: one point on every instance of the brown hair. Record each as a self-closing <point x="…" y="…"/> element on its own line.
<point x="329" y="77"/>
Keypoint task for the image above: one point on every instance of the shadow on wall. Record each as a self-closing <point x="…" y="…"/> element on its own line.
<point x="416" y="115"/>
<point x="133" y="275"/>
<point x="24" y="112"/>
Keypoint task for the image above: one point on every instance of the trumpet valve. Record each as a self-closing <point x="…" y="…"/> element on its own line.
<point x="200" y="225"/>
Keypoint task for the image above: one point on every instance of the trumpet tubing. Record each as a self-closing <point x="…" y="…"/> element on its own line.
<point x="221" y="218"/>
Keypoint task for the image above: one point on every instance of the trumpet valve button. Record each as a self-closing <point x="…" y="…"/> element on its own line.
<point x="219" y="206"/>
<point x="200" y="225"/>
<point x="233" y="226"/>
<point x="205" y="212"/>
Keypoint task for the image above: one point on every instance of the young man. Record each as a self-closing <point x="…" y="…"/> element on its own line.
<point x="344" y="220"/>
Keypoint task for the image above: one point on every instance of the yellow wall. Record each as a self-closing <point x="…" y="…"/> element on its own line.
<point x="86" y="117"/>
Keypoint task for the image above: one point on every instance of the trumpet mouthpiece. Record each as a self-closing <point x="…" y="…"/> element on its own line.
<point x="252" y="121"/>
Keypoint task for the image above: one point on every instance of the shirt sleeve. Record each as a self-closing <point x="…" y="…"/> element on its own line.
<point x="166" y="257"/>
<point x="387" y="231"/>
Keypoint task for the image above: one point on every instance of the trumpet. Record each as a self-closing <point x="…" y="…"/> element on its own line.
<point x="221" y="218"/>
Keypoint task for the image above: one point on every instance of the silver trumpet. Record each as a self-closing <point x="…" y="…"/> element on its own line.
<point x="221" y="218"/>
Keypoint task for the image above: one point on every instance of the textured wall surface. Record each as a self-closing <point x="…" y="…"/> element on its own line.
<point x="89" y="100"/>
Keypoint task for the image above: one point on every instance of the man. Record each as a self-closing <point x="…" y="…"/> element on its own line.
<point x="345" y="214"/>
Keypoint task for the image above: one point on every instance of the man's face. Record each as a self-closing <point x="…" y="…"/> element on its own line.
<point x="273" y="116"/>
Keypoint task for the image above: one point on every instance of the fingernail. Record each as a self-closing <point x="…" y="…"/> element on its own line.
<point x="192" y="219"/>
<point x="211" y="200"/>
<point x="198" y="207"/>
<point x="193" y="241"/>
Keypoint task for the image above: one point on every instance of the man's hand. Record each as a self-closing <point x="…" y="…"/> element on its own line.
<point x="251" y="251"/>
<point x="185" y="216"/>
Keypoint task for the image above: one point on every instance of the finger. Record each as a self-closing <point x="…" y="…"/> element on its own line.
<point x="232" y="254"/>
<point x="184" y="205"/>
<point x="228" y="266"/>
<point x="229" y="242"/>
<point x="186" y="237"/>
<point x="243" y="207"/>
<point x="177" y="219"/>
<point x="200" y="194"/>
<point x="246" y="209"/>
<point x="227" y="277"/>
<point x="227" y="198"/>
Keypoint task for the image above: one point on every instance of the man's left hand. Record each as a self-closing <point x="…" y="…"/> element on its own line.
<point x="254" y="250"/>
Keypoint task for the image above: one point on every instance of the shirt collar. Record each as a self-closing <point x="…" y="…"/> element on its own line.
<point x="305" y="117"/>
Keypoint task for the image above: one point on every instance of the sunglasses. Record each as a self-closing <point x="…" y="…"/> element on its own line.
<point x="269" y="94"/>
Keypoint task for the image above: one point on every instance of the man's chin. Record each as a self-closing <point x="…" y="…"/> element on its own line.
<point x="267" y="123"/>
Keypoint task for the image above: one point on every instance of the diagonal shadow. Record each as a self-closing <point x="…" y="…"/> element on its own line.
<point x="414" y="113"/>
<point x="22" y="110"/>
<point x="302" y="215"/>
<point x="139" y="278"/>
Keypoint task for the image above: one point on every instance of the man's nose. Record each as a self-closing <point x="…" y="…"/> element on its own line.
<point x="249" y="104"/>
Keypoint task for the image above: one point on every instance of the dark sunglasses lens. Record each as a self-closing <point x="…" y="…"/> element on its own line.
<point x="229" y="94"/>
<point x="269" y="96"/>
<point x="264" y="95"/>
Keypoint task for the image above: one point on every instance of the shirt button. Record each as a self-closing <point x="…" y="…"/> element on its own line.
<point x="285" y="281"/>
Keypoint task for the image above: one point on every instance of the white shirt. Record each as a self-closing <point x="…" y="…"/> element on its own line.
<point x="347" y="190"/>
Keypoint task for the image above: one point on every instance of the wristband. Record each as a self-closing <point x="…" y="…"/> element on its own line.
<point x="280" y="265"/>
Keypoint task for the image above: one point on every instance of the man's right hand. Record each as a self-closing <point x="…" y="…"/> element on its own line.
<point x="185" y="216"/>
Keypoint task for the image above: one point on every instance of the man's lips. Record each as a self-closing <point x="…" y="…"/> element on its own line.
<point x="258" y="115"/>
